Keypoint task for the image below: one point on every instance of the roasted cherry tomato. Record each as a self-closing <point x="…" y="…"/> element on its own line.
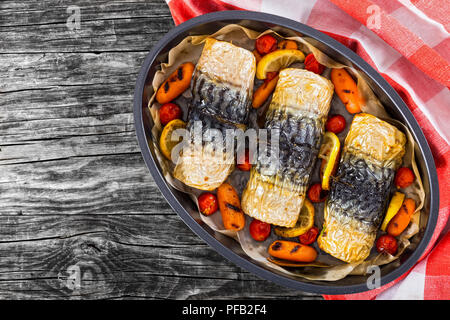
<point x="316" y="193"/>
<point x="259" y="230"/>
<point x="311" y="64"/>
<point x="310" y="236"/>
<point x="404" y="177"/>
<point x="168" y="112"/>
<point x="266" y="44"/>
<point x="208" y="203"/>
<point x="387" y="243"/>
<point x="336" y="124"/>
<point x="243" y="162"/>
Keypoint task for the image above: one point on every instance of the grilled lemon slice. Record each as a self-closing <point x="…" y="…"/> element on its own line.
<point x="304" y="223"/>
<point x="277" y="60"/>
<point x="166" y="143"/>
<point x="329" y="153"/>
<point x="394" y="206"/>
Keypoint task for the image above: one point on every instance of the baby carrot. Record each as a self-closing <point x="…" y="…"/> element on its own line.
<point x="401" y="220"/>
<point x="292" y="251"/>
<point x="287" y="44"/>
<point x="230" y="207"/>
<point x="176" y="84"/>
<point x="346" y="89"/>
<point x="263" y="92"/>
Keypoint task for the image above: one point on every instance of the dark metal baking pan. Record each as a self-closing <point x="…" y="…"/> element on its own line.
<point x="185" y="208"/>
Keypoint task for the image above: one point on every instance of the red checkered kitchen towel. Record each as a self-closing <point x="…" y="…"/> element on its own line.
<point x="408" y="42"/>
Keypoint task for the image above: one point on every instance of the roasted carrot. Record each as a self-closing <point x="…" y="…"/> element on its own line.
<point x="401" y="220"/>
<point x="176" y="84"/>
<point x="346" y="89"/>
<point x="230" y="207"/>
<point x="288" y="44"/>
<point x="263" y="92"/>
<point x="257" y="55"/>
<point x="292" y="251"/>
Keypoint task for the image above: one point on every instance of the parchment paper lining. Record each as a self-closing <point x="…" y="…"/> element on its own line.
<point x="326" y="267"/>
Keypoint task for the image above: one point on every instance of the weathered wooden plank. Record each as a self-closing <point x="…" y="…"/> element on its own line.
<point x="30" y="12"/>
<point x="118" y="256"/>
<point x="63" y="102"/>
<point x="74" y="192"/>
<point x="57" y="128"/>
<point x="40" y="26"/>
<point x="46" y="70"/>
<point x="111" y="184"/>
<point x="88" y="116"/>
<point x="137" y="34"/>
<point x="64" y="148"/>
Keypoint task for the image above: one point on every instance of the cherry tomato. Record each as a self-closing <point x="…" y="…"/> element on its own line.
<point x="243" y="163"/>
<point x="208" y="203"/>
<point x="336" y="124"/>
<point x="168" y="112"/>
<point x="404" y="177"/>
<point x="311" y="64"/>
<point x="316" y="193"/>
<point x="387" y="243"/>
<point x="259" y="230"/>
<point x="310" y="236"/>
<point x="266" y="44"/>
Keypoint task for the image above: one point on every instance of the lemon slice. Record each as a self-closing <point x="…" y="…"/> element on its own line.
<point x="304" y="223"/>
<point x="394" y="206"/>
<point x="166" y="143"/>
<point x="277" y="60"/>
<point x="329" y="153"/>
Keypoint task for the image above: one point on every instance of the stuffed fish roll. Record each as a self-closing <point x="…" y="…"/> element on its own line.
<point x="275" y="191"/>
<point x="222" y="88"/>
<point x="372" y="152"/>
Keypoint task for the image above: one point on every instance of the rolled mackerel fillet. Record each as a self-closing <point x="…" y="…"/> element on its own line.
<point x="222" y="88"/>
<point x="276" y="189"/>
<point x="372" y="152"/>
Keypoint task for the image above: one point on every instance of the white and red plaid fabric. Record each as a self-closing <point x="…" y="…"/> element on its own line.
<point x="408" y="42"/>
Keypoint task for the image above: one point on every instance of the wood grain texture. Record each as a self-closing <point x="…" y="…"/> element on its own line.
<point x="118" y="256"/>
<point x="40" y="26"/>
<point x="80" y="215"/>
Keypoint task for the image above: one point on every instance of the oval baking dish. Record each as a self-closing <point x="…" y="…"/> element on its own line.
<point x="186" y="209"/>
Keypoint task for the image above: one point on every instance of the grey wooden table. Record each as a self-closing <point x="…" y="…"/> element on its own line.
<point x="80" y="216"/>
